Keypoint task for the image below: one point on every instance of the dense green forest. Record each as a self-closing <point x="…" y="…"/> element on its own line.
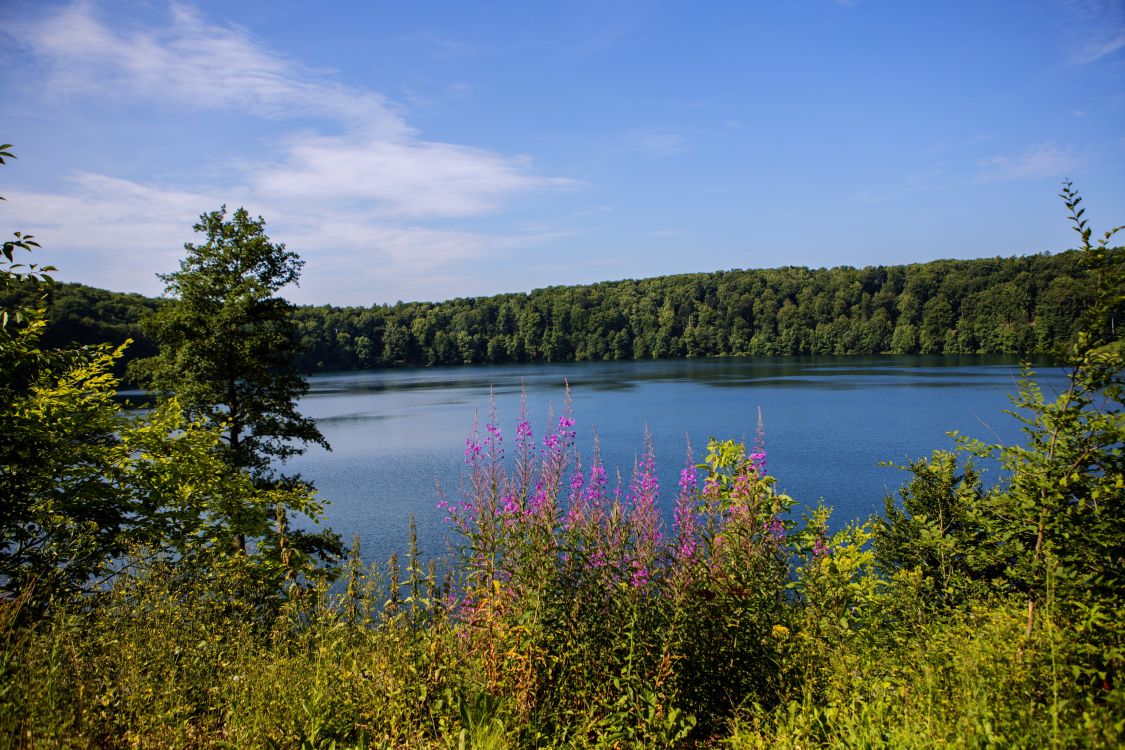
<point x="1018" y="305"/>
<point x="154" y="593"/>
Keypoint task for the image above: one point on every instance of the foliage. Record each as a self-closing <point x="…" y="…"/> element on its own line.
<point x="567" y="581"/>
<point x="1056" y="527"/>
<point x="227" y="343"/>
<point x="227" y="348"/>
<point x="592" y="629"/>
<point x="938" y="529"/>
<point x="83" y="481"/>
<point x="1011" y="306"/>
<point x="973" y="679"/>
<point x="1021" y="306"/>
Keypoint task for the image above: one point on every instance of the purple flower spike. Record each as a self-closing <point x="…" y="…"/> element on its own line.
<point x="758" y="455"/>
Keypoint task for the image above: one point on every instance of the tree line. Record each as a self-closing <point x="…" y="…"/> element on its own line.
<point x="1018" y="305"/>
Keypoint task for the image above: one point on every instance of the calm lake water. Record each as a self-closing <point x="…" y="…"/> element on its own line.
<point x="829" y="422"/>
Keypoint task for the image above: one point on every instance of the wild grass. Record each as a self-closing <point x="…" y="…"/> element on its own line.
<point x="573" y="618"/>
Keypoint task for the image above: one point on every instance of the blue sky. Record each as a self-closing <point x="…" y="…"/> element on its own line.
<point x="428" y="150"/>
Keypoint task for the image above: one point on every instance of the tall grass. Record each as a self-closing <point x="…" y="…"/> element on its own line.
<point x="573" y="618"/>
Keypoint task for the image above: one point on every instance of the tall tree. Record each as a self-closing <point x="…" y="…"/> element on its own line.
<point x="228" y="344"/>
<point x="83" y="483"/>
<point x="228" y="347"/>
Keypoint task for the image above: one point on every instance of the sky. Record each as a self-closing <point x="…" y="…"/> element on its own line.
<point x="421" y="151"/>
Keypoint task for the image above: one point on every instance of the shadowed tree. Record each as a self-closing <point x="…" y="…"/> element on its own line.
<point x="228" y="343"/>
<point x="228" y="346"/>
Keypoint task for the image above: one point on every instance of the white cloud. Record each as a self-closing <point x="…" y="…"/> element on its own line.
<point x="413" y="177"/>
<point x="196" y="65"/>
<point x="1042" y="160"/>
<point x="347" y="253"/>
<point x="353" y="259"/>
<point x="110" y="232"/>
<point x="342" y="197"/>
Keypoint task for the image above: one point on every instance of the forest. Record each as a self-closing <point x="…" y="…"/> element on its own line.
<point x="1019" y="305"/>
<point x="156" y="592"/>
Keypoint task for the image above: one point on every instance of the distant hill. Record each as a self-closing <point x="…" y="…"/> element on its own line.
<point x="1020" y="305"/>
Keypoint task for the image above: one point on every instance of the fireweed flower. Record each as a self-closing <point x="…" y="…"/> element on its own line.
<point x="712" y="492"/>
<point x="557" y="448"/>
<point x="685" y="521"/>
<point x="639" y="578"/>
<point x="758" y="455"/>
<point x="538" y="503"/>
<point x="525" y="448"/>
<point x="510" y="516"/>
<point x="587" y="493"/>
<point x="643" y="491"/>
<point x="595" y="493"/>
<point x="741" y="493"/>
<point x="494" y="443"/>
<point x="575" y="504"/>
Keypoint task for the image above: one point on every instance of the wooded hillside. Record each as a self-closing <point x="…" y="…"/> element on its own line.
<point x="1019" y="305"/>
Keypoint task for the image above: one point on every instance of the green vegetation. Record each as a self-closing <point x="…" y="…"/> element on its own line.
<point x="1023" y="305"/>
<point x="1003" y="306"/>
<point x="85" y="484"/>
<point x="134" y="612"/>
<point x="227" y="347"/>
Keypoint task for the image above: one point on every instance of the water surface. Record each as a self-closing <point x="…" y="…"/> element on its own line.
<point x="829" y="421"/>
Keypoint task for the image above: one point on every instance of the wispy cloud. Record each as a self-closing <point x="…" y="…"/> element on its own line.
<point x="132" y="229"/>
<point x="601" y="208"/>
<point x="1042" y="160"/>
<point x="1096" y="29"/>
<point x="347" y="185"/>
<point x="196" y="65"/>
<point x="347" y="252"/>
<point x="657" y="144"/>
<point x="410" y="177"/>
<point x="1098" y="48"/>
<point x="444" y="48"/>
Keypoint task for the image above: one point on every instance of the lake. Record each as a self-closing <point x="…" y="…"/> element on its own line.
<point x="829" y="423"/>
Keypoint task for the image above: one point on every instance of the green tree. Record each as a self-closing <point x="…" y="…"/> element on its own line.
<point x="936" y="528"/>
<point x="228" y="344"/>
<point x="1055" y="530"/>
<point x="84" y="483"/>
<point x="228" y="348"/>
